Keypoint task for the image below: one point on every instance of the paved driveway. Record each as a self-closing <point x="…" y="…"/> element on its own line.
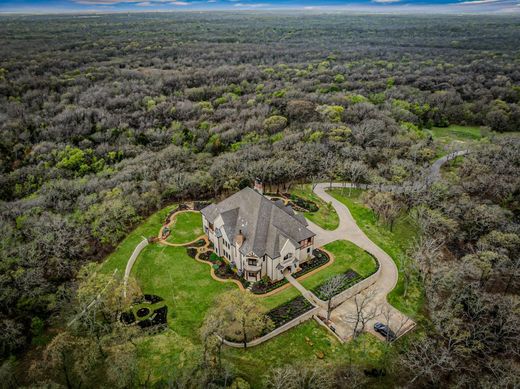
<point x="343" y="315"/>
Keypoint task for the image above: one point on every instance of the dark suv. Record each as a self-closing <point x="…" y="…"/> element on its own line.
<point x="384" y="330"/>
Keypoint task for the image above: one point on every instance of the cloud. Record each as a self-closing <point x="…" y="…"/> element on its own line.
<point x="110" y="2"/>
<point x="250" y="5"/>
<point x="180" y="3"/>
<point x="479" y="1"/>
<point x="144" y="4"/>
<point x="385" y="1"/>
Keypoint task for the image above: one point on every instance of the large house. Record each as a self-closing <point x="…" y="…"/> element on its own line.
<point x="259" y="236"/>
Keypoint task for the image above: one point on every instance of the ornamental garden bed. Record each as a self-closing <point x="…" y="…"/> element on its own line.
<point x="265" y="286"/>
<point x="180" y="207"/>
<point x="223" y="269"/>
<point x="351" y="278"/>
<point x="199" y="243"/>
<point x="288" y="311"/>
<point x="306" y="205"/>
<point x="147" y="311"/>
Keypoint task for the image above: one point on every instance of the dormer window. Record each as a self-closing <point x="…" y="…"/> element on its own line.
<point x="251" y="262"/>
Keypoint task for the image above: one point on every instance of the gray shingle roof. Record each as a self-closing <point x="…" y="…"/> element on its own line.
<point x="266" y="225"/>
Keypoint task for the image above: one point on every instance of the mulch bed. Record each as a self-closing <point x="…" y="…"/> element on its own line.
<point x="222" y="269"/>
<point x="289" y="311"/>
<point x="306" y="205"/>
<point x="351" y="278"/>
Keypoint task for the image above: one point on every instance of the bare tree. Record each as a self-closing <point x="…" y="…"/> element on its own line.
<point x="364" y="311"/>
<point x="331" y="288"/>
<point x="395" y="320"/>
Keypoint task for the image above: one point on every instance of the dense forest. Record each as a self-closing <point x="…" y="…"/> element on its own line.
<point x="104" y="119"/>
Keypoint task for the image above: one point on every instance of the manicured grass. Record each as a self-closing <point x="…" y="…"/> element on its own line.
<point x="150" y="227"/>
<point x="347" y="256"/>
<point x="393" y="242"/>
<point x="186" y="228"/>
<point x="326" y="217"/>
<point x="301" y="345"/>
<point x="189" y="291"/>
<point x="185" y="285"/>
<point x="455" y="132"/>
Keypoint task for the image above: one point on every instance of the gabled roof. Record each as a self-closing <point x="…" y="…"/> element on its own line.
<point x="266" y="225"/>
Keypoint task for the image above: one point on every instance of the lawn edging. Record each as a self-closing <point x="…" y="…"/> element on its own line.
<point x="287" y="326"/>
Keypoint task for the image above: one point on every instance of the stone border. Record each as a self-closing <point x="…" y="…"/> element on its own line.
<point x="172" y="221"/>
<point x="212" y="271"/>
<point x="277" y="331"/>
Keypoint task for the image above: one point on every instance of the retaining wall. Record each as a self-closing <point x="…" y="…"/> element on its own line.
<point x="287" y="326"/>
<point x="350" y="292"/>
<point x="132" y="260"/>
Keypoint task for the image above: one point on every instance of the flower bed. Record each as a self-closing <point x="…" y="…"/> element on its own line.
<point x="309" y="206"/>
<point x="191" y="251"/>
<point x="288" y="311"/>
<point x="199" y="243"/>
<point x="264" y="286"/>
<point x="351" y="278"/>
<point x="223" y="269"/>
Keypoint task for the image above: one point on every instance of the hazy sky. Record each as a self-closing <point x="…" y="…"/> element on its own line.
<point x="429" y="6"/>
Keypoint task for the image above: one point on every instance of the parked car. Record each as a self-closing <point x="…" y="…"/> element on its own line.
<point x="384" y="330"/>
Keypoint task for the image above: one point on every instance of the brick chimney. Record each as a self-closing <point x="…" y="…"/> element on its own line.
<point x="259" y="187"/>
<point x="239" y="239"/>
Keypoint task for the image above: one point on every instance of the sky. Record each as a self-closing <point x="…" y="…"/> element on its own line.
<point x="376" y="6"/>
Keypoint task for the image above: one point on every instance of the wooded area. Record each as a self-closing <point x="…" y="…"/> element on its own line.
<point x="105" y="119"/>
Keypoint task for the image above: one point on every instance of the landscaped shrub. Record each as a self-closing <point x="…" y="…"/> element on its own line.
<point x="191" y="251"/>
<point x="200" y="243"/>
<point x="308" y="205"/>
<point x="214" y="257"/>
<point x="158" y="317"/>
<point x="204" y="256"/>
<point x="288" y="311"/>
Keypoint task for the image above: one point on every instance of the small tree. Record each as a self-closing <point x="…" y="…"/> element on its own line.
<point x="364" y="311"/>
<point x="242" y="317"/>
<point x="331" y="288"/>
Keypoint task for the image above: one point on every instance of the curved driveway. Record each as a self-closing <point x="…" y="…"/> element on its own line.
<point x="378" y="306"/>
<point x="344" y="315"/>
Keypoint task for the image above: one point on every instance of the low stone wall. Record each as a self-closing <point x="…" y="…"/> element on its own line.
<point x="132" y="260"/>
<point x="287" y="326"/>
<point x="350" y="292"/>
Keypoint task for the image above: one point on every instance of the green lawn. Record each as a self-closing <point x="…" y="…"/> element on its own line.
<point x="189" y="291"/>
<point x="187" y="227"/>
<point x="326" y="217"/>
<point x="150" y="227"/>
<point x="347" y="256"/>
<point x="393" y="242"/>
<point x="455" y="132"/>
